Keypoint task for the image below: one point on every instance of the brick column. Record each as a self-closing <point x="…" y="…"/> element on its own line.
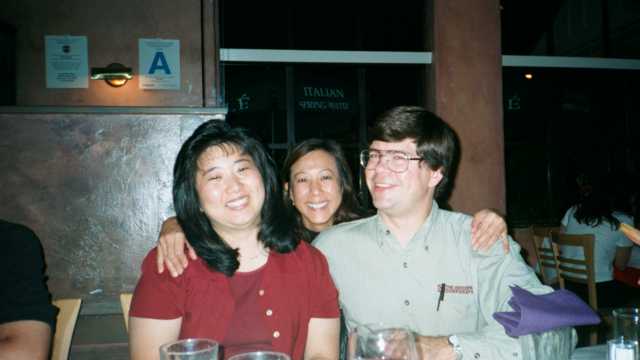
<point x="466" y="91"/>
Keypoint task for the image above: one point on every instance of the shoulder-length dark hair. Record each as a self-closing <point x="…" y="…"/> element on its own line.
<point x="596" y="205"/>
<point x="275" y="227"/>
<point x="349" y="208"/>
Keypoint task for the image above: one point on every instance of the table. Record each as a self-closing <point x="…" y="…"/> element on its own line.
<point x="596" y="352"/>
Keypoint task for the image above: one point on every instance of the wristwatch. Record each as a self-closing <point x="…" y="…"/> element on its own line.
<point x="455" y="344"/>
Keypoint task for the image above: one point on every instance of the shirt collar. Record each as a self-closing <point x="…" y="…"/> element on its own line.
<point x="420" y="238"/>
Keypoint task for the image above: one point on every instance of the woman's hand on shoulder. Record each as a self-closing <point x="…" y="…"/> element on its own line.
<point x="171" y="248"/>
<point x="488" y="227"/>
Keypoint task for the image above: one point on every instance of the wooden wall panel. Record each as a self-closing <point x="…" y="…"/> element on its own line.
<point x="112" y="29"/>
<point x="95" y="188"/>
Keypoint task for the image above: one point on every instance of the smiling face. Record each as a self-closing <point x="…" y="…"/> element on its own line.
<point x="230" y="189"/>
<point x="401" y="194"/>
<point x="315" y="189"/>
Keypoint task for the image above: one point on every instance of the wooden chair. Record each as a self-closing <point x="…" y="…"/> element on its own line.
<point x="544" y="253"/>
<point x="125" y="303"/>
<point x="65" y="324"/>
<point x="578" y="271"/>
<point x="544" y="230"/>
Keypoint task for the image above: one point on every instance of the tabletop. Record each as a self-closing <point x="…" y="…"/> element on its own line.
<point x="596" y="352"/>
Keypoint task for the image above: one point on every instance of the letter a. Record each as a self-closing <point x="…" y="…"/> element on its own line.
<point x="159" y="62"/>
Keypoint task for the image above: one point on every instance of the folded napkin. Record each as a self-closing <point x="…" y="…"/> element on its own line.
<point x="538" y="313"/>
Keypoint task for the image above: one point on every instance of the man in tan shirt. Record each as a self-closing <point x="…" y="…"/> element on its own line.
<point x="412" y="263"/>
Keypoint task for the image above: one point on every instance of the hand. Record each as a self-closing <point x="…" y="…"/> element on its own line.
<point x="434" y="348"/>
<point x="630" y="232"/>
<point x="486" y="228"/>
<point x="171" y="250"/>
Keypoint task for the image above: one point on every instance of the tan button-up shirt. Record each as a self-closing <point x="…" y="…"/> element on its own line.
<point x="380" y="281"/>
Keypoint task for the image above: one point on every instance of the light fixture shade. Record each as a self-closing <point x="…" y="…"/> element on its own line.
<point x="114" y="74"/>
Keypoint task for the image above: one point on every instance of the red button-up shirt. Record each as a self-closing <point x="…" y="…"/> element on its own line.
<point x="296" y="287"/>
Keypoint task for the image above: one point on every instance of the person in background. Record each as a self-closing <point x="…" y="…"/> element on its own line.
<point x="594" y="214"/>
<point x="412" y="264"/>
<point x="254" y="286"/>
<point x="27" y="316"/>
<point x="626" y="201"/>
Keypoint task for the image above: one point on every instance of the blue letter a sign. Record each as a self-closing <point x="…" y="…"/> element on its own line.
<point x="159" y="63"/>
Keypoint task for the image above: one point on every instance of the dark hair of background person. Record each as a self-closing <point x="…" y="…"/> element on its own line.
<point x="595" y="201"/>
<point x="436" y="142"/>
<point x="349" y="208"/>
<point x="626" y="193"/>
<point x="275" y="228"/>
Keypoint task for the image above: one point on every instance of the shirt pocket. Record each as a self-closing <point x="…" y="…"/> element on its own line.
<point x="458" y="313"/>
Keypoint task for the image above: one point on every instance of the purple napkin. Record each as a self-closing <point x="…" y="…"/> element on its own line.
<point x="538" y="313"/>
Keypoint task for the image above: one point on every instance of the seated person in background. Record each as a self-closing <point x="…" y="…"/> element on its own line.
<point x="594" y="214"/>
<point x="254" y="286"/>
<point x="27" y="317"/>
<point x="412" y="263"/>
<point x="631" y="274"/>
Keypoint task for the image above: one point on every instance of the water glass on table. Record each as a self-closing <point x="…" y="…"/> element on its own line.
<point x="190" y="349"/>
<point x="261" y="355"/>
<point x="380" y="342"/>
<point x="626" y="333"/>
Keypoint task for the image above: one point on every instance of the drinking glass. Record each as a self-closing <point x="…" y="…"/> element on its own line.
<point x="190" y="349"/>
<point x="380" y="342"/>
<point x="626" y="331"/>
<point x="261" y="355"/>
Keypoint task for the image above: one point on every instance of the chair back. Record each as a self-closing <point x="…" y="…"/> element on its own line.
<point x="544" y="252"/>
<point x="125" y="303"/>
<point x="65" y="324"/>
<point x="544" y="231"/>
<point x="579" y="271"/>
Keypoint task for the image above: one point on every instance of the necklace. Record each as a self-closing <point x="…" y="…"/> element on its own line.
<point x="261" y="252"/>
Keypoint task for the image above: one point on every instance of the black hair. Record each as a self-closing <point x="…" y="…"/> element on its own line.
<point x="596" y="205"/>
<point x="349" y="208"/>
<point x="436" y="142"/>
<point x="275" y="227"/>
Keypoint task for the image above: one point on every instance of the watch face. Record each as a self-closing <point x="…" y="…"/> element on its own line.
<point x="455" y="344"/>
<point x="453" y="340"/>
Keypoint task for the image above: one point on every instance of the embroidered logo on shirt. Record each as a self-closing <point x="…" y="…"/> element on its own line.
<point x="455" y="289"/>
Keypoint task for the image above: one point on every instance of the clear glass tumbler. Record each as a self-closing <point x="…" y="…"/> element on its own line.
<point x="261" y="355"/>
<point x="190" y="349"/>
<point x="380" y="342"/>
<point x="626" y="332"/>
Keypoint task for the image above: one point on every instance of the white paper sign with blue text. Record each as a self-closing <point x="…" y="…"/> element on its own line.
<point x="159" y="64"/>
<point x="66" y="61"/>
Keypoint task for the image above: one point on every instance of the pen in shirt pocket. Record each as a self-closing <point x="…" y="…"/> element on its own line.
<point x="441" y="296"/>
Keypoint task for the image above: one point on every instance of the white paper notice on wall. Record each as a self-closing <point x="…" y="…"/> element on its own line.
<point x="159" y="64"/>
<point x="66" y="63"/>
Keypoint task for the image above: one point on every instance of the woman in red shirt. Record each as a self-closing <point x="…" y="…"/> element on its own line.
<point x="254" y="286"/>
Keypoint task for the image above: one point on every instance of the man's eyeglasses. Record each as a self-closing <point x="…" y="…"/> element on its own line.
<point x="396" y="161"/>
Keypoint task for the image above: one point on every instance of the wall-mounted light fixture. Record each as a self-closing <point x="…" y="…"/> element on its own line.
<point x="114" y="74"/>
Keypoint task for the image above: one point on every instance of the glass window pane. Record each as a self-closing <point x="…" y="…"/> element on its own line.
<point x="256" y="98"/>
<point x="559" y="124"/>
<point x="389" y="86"/>
<point x="326" y="103"/>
